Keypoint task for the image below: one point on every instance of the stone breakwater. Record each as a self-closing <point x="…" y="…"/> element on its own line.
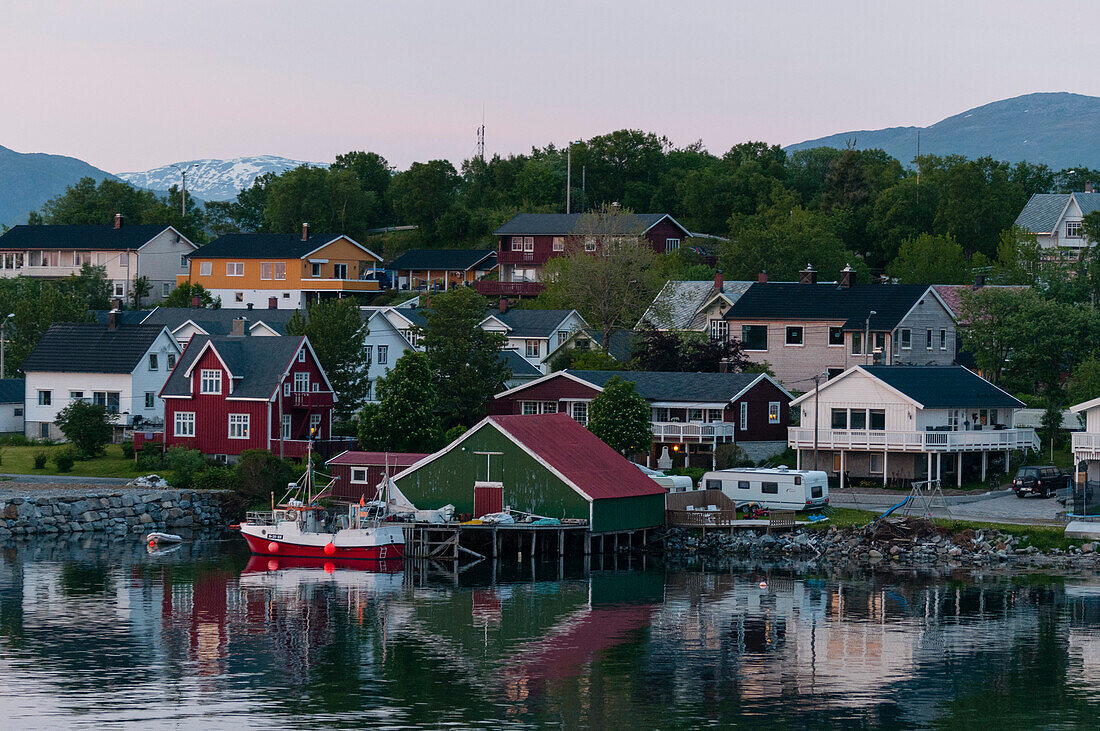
<point x="904" y="542"/>
<point x="111" y="512"/>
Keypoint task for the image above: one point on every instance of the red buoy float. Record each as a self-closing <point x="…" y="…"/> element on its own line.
<point x="272" y="565"/>
<point x="330" y="567"/>
<point x="273" y="547"/>
<point x="330" y="548"/>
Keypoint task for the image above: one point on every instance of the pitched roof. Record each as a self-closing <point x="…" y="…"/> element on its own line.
<point x="677" y="305"/>
<point x="257" y="364"/>
<point x="530" y="323"/>
<point x="11" y="390"/>
<point x="672" y="386"/>
<point x="216" y="323"/>
<point x="621" y="347"/>
<point x="394" y="459"/>
<point x="448" y="259"/>
<point x="272" y="246"/>
<point x="71" y="347"/>
<point x="97" y="238"/>
<point x="521" y="367"/>
<point x="1040" y="214"/>
<point x="593" y="468"/>
<point x="944" y="387"/>
<point x="1087" y="202"/>
<point x="565" y="224"/>
<point x="794" y="301"/>
<point x="951" y="295"/>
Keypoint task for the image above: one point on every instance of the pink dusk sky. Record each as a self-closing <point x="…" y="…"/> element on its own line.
<point x="130" y="85"/>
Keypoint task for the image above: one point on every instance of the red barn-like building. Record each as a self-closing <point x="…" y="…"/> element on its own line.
<point x="230" y="394"/>
<point x="358" y="474"/>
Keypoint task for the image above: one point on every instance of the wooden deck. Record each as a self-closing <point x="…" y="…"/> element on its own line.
<point x="452" y="541"/>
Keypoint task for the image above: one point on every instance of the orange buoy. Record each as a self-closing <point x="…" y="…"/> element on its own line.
<point x="152" y="544"/>
<point x="330" y="567"/>
<point x="273" y="547"/>
<point x="330" y="548"/>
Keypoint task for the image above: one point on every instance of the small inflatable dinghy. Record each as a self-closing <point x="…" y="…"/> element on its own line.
<point x="154" y="539"/>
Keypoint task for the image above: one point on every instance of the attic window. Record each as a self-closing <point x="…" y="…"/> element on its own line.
<point x="1073" y="229"/>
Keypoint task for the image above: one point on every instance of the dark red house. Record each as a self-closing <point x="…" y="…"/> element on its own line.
<point x="691" y="413"/>
<point x="529" y="240"/>
<point x="358" y="474"/>
<point x="229" y="394"/>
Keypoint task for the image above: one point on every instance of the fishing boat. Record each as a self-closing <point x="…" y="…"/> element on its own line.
<point x="298" y="526"/>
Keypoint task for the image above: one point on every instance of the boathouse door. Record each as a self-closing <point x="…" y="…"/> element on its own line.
<point x="488" y="498"/>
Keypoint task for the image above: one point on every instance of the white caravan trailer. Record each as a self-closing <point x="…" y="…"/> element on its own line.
<point x="671" y="483"/>
<point x="777" y="488"/>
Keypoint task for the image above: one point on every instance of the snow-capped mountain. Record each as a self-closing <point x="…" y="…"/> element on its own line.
<point x="213" y="180"/>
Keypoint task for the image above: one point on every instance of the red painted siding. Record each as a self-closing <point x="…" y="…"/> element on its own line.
<point x="666" y="229"/>
<point x="488" y="499"/>
<point x="552" y="389"/>
<point x="758" y="398"/>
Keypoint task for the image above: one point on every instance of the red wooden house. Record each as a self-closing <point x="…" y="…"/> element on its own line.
<point x="529" y="240"/>
<point x="230" y="394"/>
<point x="691" y="413"/>
<point x="358" y="474"/>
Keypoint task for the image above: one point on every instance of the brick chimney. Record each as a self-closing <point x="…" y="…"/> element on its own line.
<point x="112" y="320"/>
<point x="762" y="277"/>
<point x="305" y="232"/>
<point x="116" y="303"/>
<point x="845" y="280"/>
<point x="808" y="275"/>
<point x="196" y="301"/>
<point x="118" y="220"/>
<point x="239" y="327"/>
<point x="503" y="306"/>
<point x="718" y="280"/>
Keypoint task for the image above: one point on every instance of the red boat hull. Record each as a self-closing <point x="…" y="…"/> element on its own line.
<point x="262" y="547"/>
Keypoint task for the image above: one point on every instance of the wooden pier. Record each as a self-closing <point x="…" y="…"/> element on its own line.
<point x="452" y="541"/>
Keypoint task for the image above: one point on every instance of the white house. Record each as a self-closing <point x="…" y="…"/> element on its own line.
<point x="154" y="251"/>
<point x="1055" y="218"/>
<point x="1086" y="444"/>
<point x="120" y="366"/>
<point x="11" y="406"/>
<point x="897" y="424"/>
<point x="534" y="334"/>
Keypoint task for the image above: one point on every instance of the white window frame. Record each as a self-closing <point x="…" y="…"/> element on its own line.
<point x="266" y="268"/>
<point x="719" y="330"/>
<point x="905" y="335"/>
<point x="239" y="426"/>
<point x="154" y="362"/>
<point x="45" y="397"/>
<point x="183" y="424"/>
<point x="671" y="245"/>
<point x="165" y="289"/>
<point x="744" y="420"/>
<point x="210" y="381"/>
<point x="315" y="269"/>
<point x="943" y="339"/>
<point x="285" y="425"/>
<point x="359" y="475"/>
<point x="315" y="423"/>
<point x="559" y="243"/>
<point x="206" y="268"/>
<point x="383" y="354"/>
<point x="301" y="382"/>
<point x="1074" y="229"/>
<point x="171" y="361"/>
<point x="590" y="245"/>
<point x="517" y="243"/>
<point x="579" y="412"/>
<point x="338" y="269"/>
<point x="529" y="408"/>
<point x="528" y="244"/>
<point x="302" y="355"/>
<point x="234" y="269"/>
<point x="787" y="330"/>
<point x="286" y="388"/>
<point x="872" y="468"/>
<point x="532" y="348"/>
<point x="150" y="399"/>
<point x="773" y="412"/>
<point x="830" y="342"/>
<point x="930" y="344"/>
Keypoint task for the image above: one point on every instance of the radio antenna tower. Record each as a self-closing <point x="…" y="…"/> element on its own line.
<point x="481" y="136"/>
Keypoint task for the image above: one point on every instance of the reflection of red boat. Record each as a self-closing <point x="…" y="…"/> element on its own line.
<point x="258" y="564"/>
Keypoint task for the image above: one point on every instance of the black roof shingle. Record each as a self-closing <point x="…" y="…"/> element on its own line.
<point x="259" y="363"/>
<point x="444" y="259"/>
<point x="944" y="387"/>
<point x="94" y="238"/>
<point x="673" y="386"/>
<point x="256" y="246"/>
<point x="565" y="224"/>
<point x="11" y="390"/>
<point x="793" y="301"/>
<point x="91" y="348"/>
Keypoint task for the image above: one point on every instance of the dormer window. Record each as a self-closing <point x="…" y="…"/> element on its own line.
<point x="210" y="381"/>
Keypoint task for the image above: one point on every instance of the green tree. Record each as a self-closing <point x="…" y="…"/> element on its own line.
<point x="36" y="304"/>
<point x="1019" y="258"/>
<point x="404" y="418"/>
<point x="659" y="350"/>
<point x="929" y="259"/>
<point x="86" y="425"/>
<point x="464" y="358"/>
<point x="259" y="473"/>
<point x="183" y="294"/>
<point x="423" y="195"/>
<point x="91" y="286"/>
<point x="139" y="290"/>
<point x="336" y="331"/>
<point x="620" y="417"/>
<point x="1084" y="383"/>
<point x="331" y="200"/>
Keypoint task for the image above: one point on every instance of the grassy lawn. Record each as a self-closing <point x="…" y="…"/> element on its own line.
<point x="20" y="460"/>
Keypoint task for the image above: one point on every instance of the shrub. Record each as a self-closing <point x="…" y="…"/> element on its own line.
<point x="86" y="425"/>
<point x="151" y="457"/>
<point x="128" y="449"/>
<point x="64" y="459"/>
<point x="454" y="433"/>
<point x="40" y="459"/>
<point x="185" y="464"/>
<point x="260" y="472"/>
<point x="14" y="440"/>
<point x="221" y="477"/>
<point x="728" y="455"/>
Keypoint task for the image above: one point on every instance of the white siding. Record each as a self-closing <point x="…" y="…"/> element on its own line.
<point x="159" y="261"/>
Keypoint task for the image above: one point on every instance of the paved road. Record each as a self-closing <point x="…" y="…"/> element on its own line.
<point x="1008" y="509"/>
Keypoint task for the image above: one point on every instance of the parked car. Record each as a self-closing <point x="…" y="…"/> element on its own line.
<point x="1042" y="481"/>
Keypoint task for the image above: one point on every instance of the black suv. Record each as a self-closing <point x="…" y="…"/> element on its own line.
<point x="1041" y="481"/>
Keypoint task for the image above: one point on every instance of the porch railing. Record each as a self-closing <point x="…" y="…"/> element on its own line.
<point x="914" y="441"/>
<point x="693" y="431"/>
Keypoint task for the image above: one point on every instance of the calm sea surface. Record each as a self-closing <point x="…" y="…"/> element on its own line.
<point x="100" y="634"/>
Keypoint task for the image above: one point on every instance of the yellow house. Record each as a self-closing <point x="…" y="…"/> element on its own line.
<point x="282" y="271"/>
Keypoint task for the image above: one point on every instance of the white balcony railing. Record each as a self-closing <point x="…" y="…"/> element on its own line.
<point x="692" y="431"/>
<point x="914" y="441"/>
<point x="1086" y="443"/>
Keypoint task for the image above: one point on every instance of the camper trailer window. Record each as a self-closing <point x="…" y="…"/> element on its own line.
<point x="769" y="488"/>
<point x="714" y="484"/>
<point x="798" y="479"/>
<point x="742" y="484"/>
<point x="815" y="491"/>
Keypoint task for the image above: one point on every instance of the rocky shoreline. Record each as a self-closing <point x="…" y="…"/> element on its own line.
<point x="891" y="542"/>
<point x="112" y="512"/>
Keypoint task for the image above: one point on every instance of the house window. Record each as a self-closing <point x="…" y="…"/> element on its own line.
<point x="210" y="381"/>
<point x="285" y="423"/>
<point x="45" y="398"/>
<point x="286" y="388"/>
<point x="943" y="340"/>
<point x="794" y="335"/>
<point x="857" y="343"/>
<point x="906" y="339"/>
<point x="562" y="337"/>
<point x="714" y="415"/>
<point x="339" y="271"/>
<point x="659" y="413"/>
<point x="928" y="345"/>
<point x="876" y="463"/>
<point x="238" y="426"/>
<point x="150" y="400"/>
<point x="76" y="395"/>
<point x="549" y="407"/>
<point x="878" y="419"/>
<point x="1073" y="229"/>
<point x="590" y="244"/>
<point x="238" y="296"/>
<point x="840" y="419"/>
<point x="559" y="243"/>
<point x="171" y="361"/>
<point x="580" y="412"/>
<point x="265" y="270"/>
<point x="154" y="362"/>
<point x="123" y="258"/>
<point x="110" y="399"/>
<point x="314" y="425"/>
<point x="530" y="407"/>
<point x="773" y="412"/>
<point x="528" y="243"/>
<point x="44" y="430"/>
<point x="206" y="268"/>
<point x="18" y="411"/>
<point x="517" y="243"/>
<point x="755" y="337"/>
<point x="671" y="245"/>
<point x="744" y="416"/>
<point x="369" y="396"/>
<point x="314" y="386"/>
<point x="302" y="355"/>
<point x="359" y="474"/>
<point x="315" y="269"/>
<point x="234" y="269"/>
<point x="857" y="419"/>
<point x="301" y="382"/>
<point x="531" y="348"/>
<point x="183" y="261"/>
<point x="120" y="289"/>
<point x="383" y="354"/>
<point x="184" y="424"/>
<point x="836" y="336"/>
<point x="953" y="419"/>
<point x="695" y="415"/>
<point x="836" y="462"/>
<point x="719" y="330"/>
<point x="165" y="289"/>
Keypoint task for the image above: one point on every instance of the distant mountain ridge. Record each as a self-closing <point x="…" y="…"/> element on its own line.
<point x="1054" y="128"/>
<point x="213" y="179"/>
<point x="29" y="179"/>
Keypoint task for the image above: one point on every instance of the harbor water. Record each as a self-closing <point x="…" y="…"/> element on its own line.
<point x="101" y="634"/>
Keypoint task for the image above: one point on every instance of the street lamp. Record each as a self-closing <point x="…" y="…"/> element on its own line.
<point x="867" y="336"/>
<point x="817" y="388"/>
<point x="3" y="340"/>
<point x="183" y="185"/>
